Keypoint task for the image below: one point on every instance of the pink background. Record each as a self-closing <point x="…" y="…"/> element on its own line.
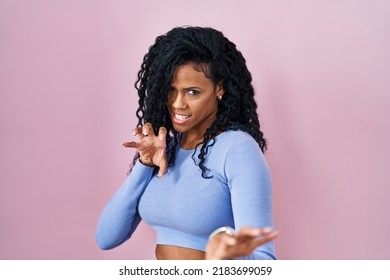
<point x="321" y="71"/>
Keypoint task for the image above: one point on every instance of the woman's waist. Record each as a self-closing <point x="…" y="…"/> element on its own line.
<point x="171" y="252"/>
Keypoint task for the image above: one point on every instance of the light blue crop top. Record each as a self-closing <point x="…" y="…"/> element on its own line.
<point x="184" y="208"/>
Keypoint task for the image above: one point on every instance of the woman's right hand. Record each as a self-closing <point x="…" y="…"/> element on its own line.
<point x="151" y="148"/>
<point x="229" y="245"/>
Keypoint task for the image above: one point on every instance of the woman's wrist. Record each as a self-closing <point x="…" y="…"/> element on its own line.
<point x="226" y="230"/>
<point x="217" y="246"/>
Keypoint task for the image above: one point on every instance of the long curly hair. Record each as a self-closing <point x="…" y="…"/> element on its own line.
<point x="199" y="46"/>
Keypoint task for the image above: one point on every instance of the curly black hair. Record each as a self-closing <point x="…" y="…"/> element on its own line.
<point x="224" y="63"/>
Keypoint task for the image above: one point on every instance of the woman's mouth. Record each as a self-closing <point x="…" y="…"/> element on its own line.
<point x="180" y="119"/>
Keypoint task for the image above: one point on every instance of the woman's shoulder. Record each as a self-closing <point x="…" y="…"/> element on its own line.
<point x="231" y="137"/>
<point x="240" y="152"/>
<point x="238" y="141"/>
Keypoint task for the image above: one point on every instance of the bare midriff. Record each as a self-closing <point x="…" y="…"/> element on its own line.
<point x="168" y="252"/>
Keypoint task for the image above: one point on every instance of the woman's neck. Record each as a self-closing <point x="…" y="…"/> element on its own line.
<point x="189" y="142"/>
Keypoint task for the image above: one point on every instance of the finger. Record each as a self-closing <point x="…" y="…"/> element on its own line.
<point x="229" y="240"/>
<point x="138" y="132"/>
<point x="246" y="232"/>
<point x="163" y="167"/>
<point x="265" y="239"/>
<point x="253" y="232"/>
<point x="147" y="130"/>
<point x="131" y="144"/>
<point x="265" y="230"/>
<point x="162" y="134"/>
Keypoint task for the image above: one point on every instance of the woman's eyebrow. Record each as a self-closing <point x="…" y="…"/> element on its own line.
<point x="193" y="87"/>
<point x="187" y="88"/>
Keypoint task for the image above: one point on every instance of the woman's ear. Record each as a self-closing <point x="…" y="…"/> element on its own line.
<point x="219" y="90"/>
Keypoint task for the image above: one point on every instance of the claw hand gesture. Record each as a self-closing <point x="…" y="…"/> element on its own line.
<point x="151" y="148"/>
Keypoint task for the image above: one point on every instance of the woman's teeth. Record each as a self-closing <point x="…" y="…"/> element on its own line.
<point x="181" y="117"/>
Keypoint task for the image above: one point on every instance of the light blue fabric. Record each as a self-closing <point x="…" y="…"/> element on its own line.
<point x="184" y="208"/>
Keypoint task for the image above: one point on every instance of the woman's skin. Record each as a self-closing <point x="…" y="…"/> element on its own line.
<point x="167" y="252"/>
<point x="193" y="104"/>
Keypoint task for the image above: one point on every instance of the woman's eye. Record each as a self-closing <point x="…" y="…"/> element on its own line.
<point x="192" y="92"/>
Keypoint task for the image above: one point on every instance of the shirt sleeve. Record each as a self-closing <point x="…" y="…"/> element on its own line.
<point x="120" y="216"/>
<point x="249" y="180"/>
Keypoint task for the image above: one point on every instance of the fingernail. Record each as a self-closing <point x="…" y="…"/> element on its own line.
<point x="268" y="229"/>
<point x="134" y="133"/>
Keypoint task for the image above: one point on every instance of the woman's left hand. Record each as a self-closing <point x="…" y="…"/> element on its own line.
<point x="244" y="242"/>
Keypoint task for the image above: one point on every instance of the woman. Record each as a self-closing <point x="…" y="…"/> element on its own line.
<point x="199" y="178"/>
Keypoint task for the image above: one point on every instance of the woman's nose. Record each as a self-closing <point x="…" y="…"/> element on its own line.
<point x="178" y="101"/>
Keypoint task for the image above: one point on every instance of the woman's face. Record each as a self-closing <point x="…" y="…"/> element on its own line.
<point x="192" y="101"/>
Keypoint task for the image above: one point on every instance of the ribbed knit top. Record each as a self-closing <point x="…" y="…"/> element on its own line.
<point x="184" y="208"/>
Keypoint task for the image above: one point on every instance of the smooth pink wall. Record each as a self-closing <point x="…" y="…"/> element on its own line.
<point x="321" y="70"/>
